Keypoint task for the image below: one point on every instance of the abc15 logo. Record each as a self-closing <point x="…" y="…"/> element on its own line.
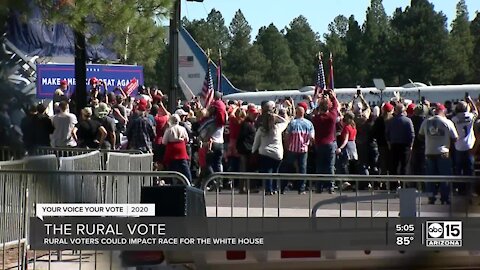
<point x="444" y="230"/>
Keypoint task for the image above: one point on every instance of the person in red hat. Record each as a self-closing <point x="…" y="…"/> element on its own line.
<point x="61" y="92"/>
<point x="439" y="132"/>
<point x="378" y="132"/>
<point x="410" y="109"/>
<point x="400" y="135"/>
<point x="95" y="93"/>
<point x="140" y="131"/>
<point x="235" y="120"/>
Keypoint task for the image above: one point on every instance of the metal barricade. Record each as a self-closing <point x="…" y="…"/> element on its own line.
<point x="232" y="204"/>
<point x="8" y="153"/>
<point x="89" y="185"/>
<point x="70" y="152"/>
<point x="367" y="203"/>
<point x="131" y="162"/>
<point x="16" y="206"/>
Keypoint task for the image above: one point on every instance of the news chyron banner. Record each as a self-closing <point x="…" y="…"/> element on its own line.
<point x="50" y="75"/>
<point x="134" y="227"/>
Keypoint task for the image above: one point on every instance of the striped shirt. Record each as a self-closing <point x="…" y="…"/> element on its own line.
<point x="301" y="133"/>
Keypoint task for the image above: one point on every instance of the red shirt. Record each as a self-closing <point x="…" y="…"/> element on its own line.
<point x="175" y="151"/>
<point x="234" y="126"/>
<point x="220" y="113"/>
<point x="351" y="131"/>
<point x="324" y="125"/>
<point x="160" y="127"/>
<point x="202" y="157"/>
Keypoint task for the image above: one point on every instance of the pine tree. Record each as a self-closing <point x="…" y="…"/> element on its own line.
<point x="236" y="66"/>
<point x="375" y="42"/>
<point x="419" y="48"/>
<point x="210" y="33"/>
<point x="335" y="44"/>
<point x="475" y="31"/>
<point x="254" y="78"/>
<point x="355" y="63"/>
<point x="282" y="72"/>
<point x="304" y="44"/>
<point x="461" y="42"/>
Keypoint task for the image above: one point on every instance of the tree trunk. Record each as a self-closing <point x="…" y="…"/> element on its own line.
<point x="80" y="96"/>
<point x="173" y="61"/>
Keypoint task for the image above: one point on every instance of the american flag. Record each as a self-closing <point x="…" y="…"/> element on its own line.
<point x="330" y="83"/>
<point x="131" y="86"/>
<point x="208" y="89"/>
<point x="320" y="78"/>
<point x="185" y="61"/>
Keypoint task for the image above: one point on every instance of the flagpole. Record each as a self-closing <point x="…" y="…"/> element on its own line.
<point x="331" y="74"/>
<point x="219" y="73"/>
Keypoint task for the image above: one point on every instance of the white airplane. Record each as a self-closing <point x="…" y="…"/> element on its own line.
<point x="193" y="67"/>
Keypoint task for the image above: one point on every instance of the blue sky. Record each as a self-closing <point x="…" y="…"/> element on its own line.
<point x="281" y="12"/>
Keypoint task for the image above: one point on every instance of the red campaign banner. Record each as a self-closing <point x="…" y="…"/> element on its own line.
<point x="131" y="86"/>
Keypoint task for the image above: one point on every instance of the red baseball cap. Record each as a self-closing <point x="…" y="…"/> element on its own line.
<point x="388" y="107"/>
<point x="303" y="105"/>
<point x="93" y="80"/>
<point x="142" y="105"/>
<point x="440" y="107"/>
<point x="252" y="110"/>
<point x="63" y="82"/>
<point x="411" y="108"/>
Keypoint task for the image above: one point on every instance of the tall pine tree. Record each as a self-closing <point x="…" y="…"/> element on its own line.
<point x="335" y="44"/>
<point x="376" y="41"/>
<point x="461" y="42"/>
<point x="282" y="72"/>
<point x="355" y="63"/>
<point x="475" y="31"/>
<point x="420" y="44"/>
<point x="304" y="44"/>
<point x="235" y="65"/>
<point x="210" y="33"/>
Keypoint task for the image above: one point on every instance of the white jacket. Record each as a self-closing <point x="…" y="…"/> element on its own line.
<point x="271" y="144"/>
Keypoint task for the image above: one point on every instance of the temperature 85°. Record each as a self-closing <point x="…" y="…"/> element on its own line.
<point x="404" y="240"/>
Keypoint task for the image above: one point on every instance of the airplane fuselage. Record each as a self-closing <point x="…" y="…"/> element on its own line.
<point x="439" y="93"/>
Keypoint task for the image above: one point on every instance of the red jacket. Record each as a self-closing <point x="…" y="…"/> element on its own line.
<point x="175" y="151"/>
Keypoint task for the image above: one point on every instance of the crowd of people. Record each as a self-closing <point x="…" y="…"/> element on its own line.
<point x="318" y="135"/>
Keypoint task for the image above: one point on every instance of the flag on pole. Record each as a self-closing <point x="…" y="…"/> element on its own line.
<point x="131" y="86"/>
<point x="208" y="89"/>
<point x="320" y="77"/>
<point x="219" y="71"/>
<point x="330" y="83"/>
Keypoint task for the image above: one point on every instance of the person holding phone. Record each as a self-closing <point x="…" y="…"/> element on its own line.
<point x="466" y="113"/>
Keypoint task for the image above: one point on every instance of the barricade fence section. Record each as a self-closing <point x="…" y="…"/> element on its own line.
<point x="122" y="161"/>
<point x="22" y="189"/>
<point x="248" y="197"/>
<point x="355" y="199"/>
<point x="65" y="188"/>
<point x="10" y="153"/>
